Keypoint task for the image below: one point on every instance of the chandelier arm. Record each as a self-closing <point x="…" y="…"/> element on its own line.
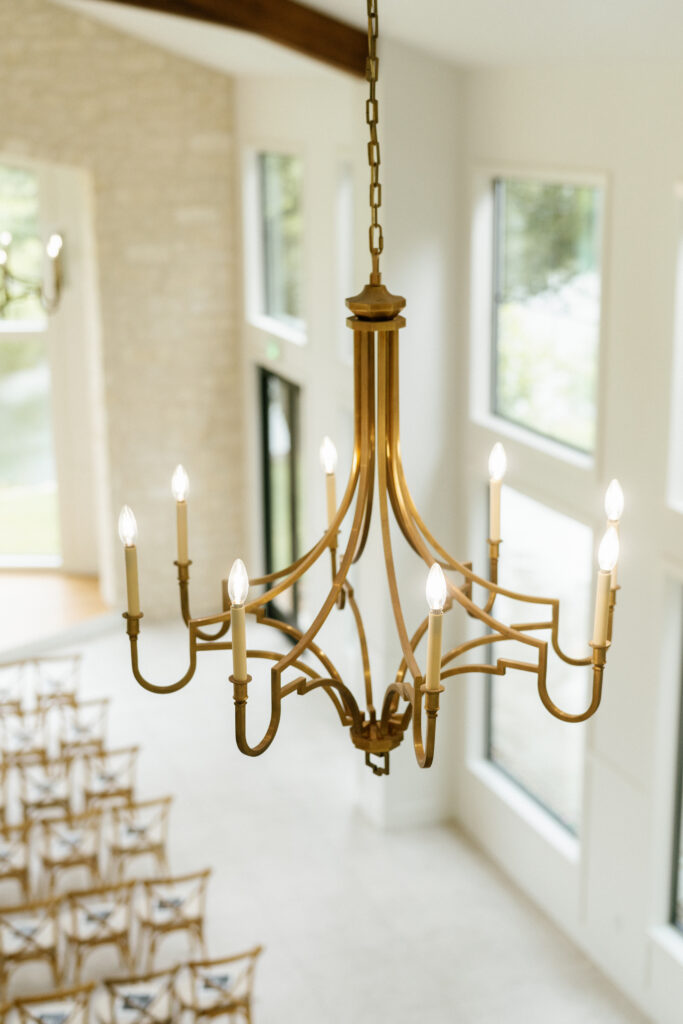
<point x="339" y="580"/>
<point x="367" y="397"/>
<point x="133" y="630"/>
<point x="414" y="641"/>
<point x="382" y="458"/>
<point x="184" y="586"/>
<point x="362" y="639"/>
<point x="599" y="659"/>
<point x="346" y="704"/>
<point x="295" y="634"/>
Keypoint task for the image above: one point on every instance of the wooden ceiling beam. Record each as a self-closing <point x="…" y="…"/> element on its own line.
<point x="286" y="22"/>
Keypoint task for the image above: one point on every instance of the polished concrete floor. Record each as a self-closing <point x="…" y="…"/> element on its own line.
<point x="39" y="604"/>
<point x="359" y="926"/>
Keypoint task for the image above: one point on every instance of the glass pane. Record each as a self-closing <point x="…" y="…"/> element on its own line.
<point x="281" y="210"/>
<point x="282" y="467"/>
<point x="547" y="308"/>
<point x="546" y="554"/>
<point x="19" y="215"/>
<point x="28" y="481"/>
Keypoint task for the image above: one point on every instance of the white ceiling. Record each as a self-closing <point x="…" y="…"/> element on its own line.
<point x="472" y="32"/>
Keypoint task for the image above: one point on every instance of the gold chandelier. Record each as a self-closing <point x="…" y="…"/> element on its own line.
<point x="415" y="692"/>
<point x="14" y="288"/>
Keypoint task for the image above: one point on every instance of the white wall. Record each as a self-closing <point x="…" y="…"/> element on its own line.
<point x="622" y="123"/>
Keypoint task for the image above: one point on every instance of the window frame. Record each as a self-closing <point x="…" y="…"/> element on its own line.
<point x="254" y="247"/>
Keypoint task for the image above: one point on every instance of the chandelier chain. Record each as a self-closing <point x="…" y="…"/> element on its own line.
<point x="376" y="235"/>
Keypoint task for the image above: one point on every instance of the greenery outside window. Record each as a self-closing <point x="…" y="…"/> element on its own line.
<point x="546" y="307"/>
<point x="29" y="523"/>
<point x="281" y="201"/>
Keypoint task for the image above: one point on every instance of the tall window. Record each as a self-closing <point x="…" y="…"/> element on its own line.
<point x="546" y="310"/>
<point x="677" y="887"/>
<point x="545" y="553"/>
<point x="280" y="184"/>
<point x="281" y="482"/>
<point x="29" y="527"/>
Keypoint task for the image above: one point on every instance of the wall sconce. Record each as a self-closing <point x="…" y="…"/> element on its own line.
<point x="14" y="288"/>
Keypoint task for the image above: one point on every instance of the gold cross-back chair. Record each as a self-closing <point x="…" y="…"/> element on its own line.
<point x="83" y="727"/>
<point x="22" y="734"/>
<point x="145" y="999"/>
<point x="110" y="776"/>
<point x="15" y="845"/>
<point x="68" y="1006"/>
<point x="70" y="843"/>
<point x="45" y="786"/>
<point x="28" y="932"/>
<point x="13" y="686"/>
<point x="208" y="989"/>
<point x="57" y="678"/>
<point x="140" y="830"/>
<point x="96" y="918"/>
<point x="170" y="905"/>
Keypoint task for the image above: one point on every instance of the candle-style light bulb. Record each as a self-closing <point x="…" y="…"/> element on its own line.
<point x="614" y="502"/>
<point x="436" y="589"/>
<point x="238" y="589"/>
<point x="497" y="465"/>
<point x="238" y="583"/>
<point x="3" y="257"/>
<point x="328" y="455"/>
<point x="5" y="239"/>
<point x="180" y="484"/>
<point x="608" y="552"/>
<point x="128" y="527"/>
<point x="54" y="246"/>
<point x="128" y="532"/>
<point x="437" y="592"/>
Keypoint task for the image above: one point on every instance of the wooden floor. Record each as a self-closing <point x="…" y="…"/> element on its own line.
<point x="35" y="605"/>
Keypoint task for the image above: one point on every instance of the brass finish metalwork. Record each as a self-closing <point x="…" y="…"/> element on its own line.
<point x="376" y="321"/>
<point x="14" y="288"/>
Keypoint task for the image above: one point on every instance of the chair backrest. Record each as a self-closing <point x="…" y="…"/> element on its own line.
<point x="177" y="899"/>
<point x="224" y="981"/>
<point x="96" y="914"/>
<point x="14" y="683"/>
<point x="56" y="678"/>
<point x="83" y="724"/>
<point x="22" y="732"/>
<point x="14" y="840"/>
<point x="145" y="999"/>
<point x="144" y="823"/>
<point x="38" y="772"/>
<point x="111" y="769"/>
<point x="27" y="928"/>
<point x="68" y="1006"/>
<point x="72" y="835"/>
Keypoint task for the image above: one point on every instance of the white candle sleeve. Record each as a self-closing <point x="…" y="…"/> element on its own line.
<point x="132" y="580"/>
<point x="239" y="642"/>
<point x="331" y="483"/>
<point x="181" y="517"/>
<point x="434" y="635"/>
<point x="601" y="624"/>
<point x="494" y="509"/>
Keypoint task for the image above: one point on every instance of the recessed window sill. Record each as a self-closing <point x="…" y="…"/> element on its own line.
<point x="545" y="445"/>
<point x="526" y="808"/>
<point x="669" y="939"/>
<point x="19" y="563"/>
<point x="276" y="328"/>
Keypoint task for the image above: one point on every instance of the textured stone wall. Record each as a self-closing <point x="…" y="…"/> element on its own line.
<point x="155" y="132"/>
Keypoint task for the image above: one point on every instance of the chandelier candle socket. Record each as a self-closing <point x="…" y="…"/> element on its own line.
<point x="497" y="467"/>
<point x="238" y="590"/>
<point x="128" y="532"/>
<point x="180" y="486"/>
<point x="608" y="555"/>
<point x="407" y="704"/>
<point x="328" y="460"/>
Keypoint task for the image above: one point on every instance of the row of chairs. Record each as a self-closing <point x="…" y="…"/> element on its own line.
<point x="134" y="917"/>
<point x="71" y="727"/>
<point x="43" y="682"/>
<point x="66" y="785"/>
<point x="37" y="854"/>
<point x="200" y="990"/>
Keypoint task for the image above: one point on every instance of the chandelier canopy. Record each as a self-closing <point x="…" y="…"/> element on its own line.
<point x="413" y="697"/>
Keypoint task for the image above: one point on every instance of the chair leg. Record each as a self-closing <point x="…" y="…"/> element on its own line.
<point x="151" y="950"/>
